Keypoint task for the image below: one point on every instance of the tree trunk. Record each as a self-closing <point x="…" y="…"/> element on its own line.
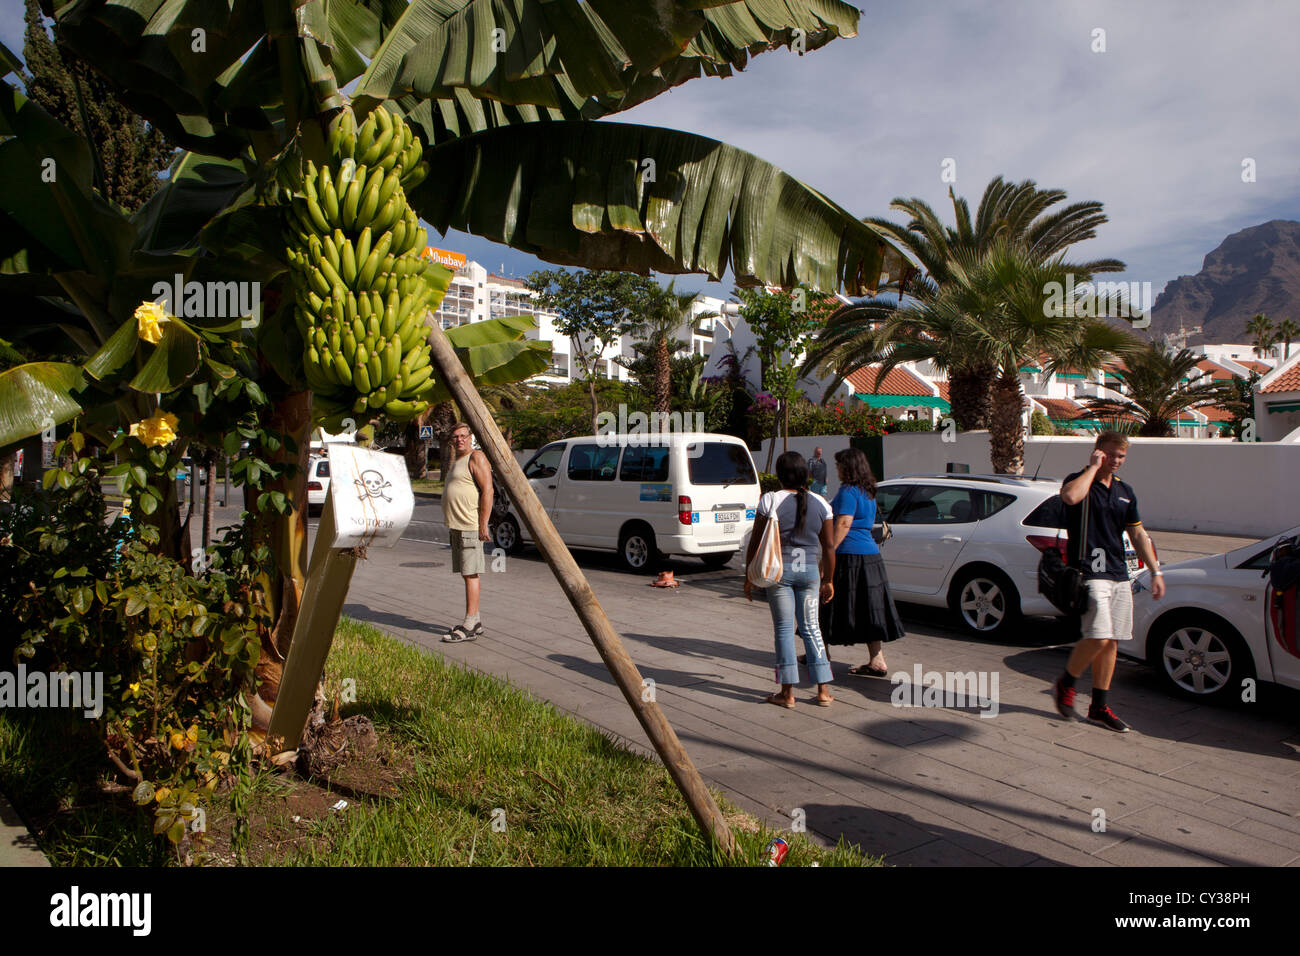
<point x="209" y="494"/>
<point x="442" y="417"/>
<point x="970" y="392"/>
<point x="595" y="406"/>
<point x="287" y="536"/>
<point x="663" y="376"/>
<point x="1006" y="436"/>
<point x="416" y="450"/>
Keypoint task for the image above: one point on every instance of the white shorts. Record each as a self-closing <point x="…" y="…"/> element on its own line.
<point x="1109" y="614"/>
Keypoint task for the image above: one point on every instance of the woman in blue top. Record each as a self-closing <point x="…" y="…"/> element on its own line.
<point x="862" y="610"/>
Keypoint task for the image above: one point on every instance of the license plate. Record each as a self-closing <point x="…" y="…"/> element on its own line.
<point x="728" y="529"/>
<point x="721" y="516"/>
<point x="1133" y="568"/>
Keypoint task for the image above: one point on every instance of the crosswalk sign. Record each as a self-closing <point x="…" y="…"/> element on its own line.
<point x="426" y="431"/>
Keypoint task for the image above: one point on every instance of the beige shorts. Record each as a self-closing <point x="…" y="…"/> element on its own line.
<point x="467" y="553"/>
<point x="1109" y="614"/>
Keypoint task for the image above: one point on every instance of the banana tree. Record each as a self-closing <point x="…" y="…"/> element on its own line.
<point x="501" y="95"/>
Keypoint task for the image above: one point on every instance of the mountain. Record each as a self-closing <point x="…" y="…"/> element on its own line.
<point x="1252" y="271"/>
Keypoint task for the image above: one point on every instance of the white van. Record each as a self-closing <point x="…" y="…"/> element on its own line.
<point x="644" y="495"/>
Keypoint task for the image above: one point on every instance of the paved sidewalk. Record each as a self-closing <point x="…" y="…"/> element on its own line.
<point x="1193" y="785"/>
<point x="17" y="845"/>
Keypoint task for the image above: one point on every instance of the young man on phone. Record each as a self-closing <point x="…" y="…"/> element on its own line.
<point x="1108" y="614"/>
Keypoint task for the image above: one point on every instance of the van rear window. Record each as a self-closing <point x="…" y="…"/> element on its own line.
<point x="719" y="463"/>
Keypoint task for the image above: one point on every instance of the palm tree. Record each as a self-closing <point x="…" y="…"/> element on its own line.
<point x="1160" y="386"/>
<point x="1016" y="212"/>
<point x="1265" y="335"/>
<point x="664" y="311"/>
<point x="996" y="309"/>
<point x="1287" y="330"/>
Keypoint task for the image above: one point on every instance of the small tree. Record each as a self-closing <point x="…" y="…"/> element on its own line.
<point x="782" y="323"/>
<point x="594" y="309"/>
<point x="1287" y="330"/>
<point x="128" y="153"/>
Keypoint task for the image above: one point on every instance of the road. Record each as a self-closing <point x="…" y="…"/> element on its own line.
<point x="1192" y="785"/>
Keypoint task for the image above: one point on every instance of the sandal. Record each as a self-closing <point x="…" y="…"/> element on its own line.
<point x="780" y="700"/>
<point x="459" y="635"/>
<point x="823" y="701"/>
<point x="862" y="670"/>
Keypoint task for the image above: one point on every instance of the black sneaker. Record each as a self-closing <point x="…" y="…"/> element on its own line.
<point x="1106" y="718"/>
<point x="1064" y="697"/>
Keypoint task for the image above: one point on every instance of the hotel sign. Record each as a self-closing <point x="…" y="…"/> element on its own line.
<point x="452" y="260"/>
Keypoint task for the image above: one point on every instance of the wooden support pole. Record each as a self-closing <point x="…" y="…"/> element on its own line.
<point x="328" y="577"/>
<point x="576" y="588"/>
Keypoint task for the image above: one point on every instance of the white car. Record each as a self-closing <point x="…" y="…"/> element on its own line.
<point x="318" y="483"/>
<point x="644" y="496"/>
<point x="1212" y="629"/>
<point x="972" y="543"/>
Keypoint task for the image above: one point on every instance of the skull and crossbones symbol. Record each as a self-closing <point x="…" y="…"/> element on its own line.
<point x="371" y="484"/>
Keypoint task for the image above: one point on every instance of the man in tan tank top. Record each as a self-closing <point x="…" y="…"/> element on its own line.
<point x="466" y="505"/>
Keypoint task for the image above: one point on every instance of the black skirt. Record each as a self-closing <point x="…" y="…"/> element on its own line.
<point x="862" y="609"/>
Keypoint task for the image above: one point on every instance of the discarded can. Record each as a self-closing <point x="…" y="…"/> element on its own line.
<point x="776" y="851"/>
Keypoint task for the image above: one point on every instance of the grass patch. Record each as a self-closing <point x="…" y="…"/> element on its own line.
<point x="455" y="746"/>
<point x="432" y="486"/>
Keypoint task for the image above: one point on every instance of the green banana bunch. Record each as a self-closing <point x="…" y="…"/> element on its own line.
<point x="353" y="245"/>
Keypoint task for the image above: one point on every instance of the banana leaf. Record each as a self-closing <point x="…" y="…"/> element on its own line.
<point x="37" y="396"/>
<point x="635" y="198"/>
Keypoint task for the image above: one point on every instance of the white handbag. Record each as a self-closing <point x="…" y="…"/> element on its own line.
<point x="765" y="570"/>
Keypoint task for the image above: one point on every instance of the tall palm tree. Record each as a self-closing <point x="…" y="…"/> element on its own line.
<point x="1007" y="212"/>
<point x="1160" y="385"/>
<point x="996" y="308"/>
<point x="1265" y="335"/>
<point x="664" y="311"/>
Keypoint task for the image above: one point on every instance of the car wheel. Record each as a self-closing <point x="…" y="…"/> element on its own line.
<point x="636" y="548"/>
<point x="985" y="601"/>
<point x="506" y="536"/>
<point x="1201" y="655"/>
<point x="718" y="560"/>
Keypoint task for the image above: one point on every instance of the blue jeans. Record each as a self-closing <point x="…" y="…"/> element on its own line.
<point x="794" y="599"/>
<point x="818" y="488"/>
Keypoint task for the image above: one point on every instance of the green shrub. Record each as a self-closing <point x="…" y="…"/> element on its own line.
<point x="176" y="646"/>
<point x="768" y="482"/>
<point x="909" y="425"/>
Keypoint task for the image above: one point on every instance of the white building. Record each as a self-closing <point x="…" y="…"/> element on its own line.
<point x="476" y="295"/>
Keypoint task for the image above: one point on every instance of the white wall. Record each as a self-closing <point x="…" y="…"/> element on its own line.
<point x="1182" y="484"/>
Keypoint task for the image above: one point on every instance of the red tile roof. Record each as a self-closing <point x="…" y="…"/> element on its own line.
<point x="1215" y="414"/>
<point x="1062" y="409"/>
<point x="943" y="390"/>
<point x="1217" y="372"/>
<point x="899" y="381"/>
<point x="1288" y="381"/>
<point x="1254" y="366"/>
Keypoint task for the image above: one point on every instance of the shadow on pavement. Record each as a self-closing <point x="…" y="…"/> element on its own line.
<point x="362" y="612"/>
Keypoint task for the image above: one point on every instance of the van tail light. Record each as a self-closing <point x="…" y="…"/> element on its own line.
<point x="315" y="486"/>
<point x="1044" y="542"/>
<point x="684" y="509"/>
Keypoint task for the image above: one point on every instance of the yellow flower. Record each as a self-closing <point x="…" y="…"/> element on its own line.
<point x="135" y="690"/>
<point x="157" y="429"/>
<point x="162" y="794"/>
<point x="178" y="740"/>
<point x="150" y="317"/>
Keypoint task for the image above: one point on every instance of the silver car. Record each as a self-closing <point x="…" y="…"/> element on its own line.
<point x="972" y="543"/>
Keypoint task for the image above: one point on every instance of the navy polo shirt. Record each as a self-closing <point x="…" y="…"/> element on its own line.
<point x="1110" y="511"/>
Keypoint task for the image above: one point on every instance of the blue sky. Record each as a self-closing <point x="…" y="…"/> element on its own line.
<point x="1156" y="127"/>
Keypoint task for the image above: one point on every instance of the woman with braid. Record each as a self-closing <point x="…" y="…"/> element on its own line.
<point x="808" y="565"/>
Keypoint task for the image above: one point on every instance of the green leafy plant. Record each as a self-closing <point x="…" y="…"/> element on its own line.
<point x="176" y="646"/>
